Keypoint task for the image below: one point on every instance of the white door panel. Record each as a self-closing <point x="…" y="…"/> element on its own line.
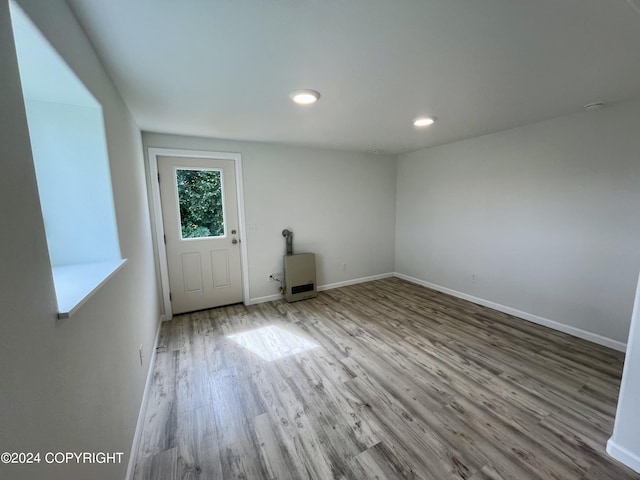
<point x="200" y="216"/>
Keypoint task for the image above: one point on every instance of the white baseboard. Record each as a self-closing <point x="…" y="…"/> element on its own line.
<point x="143" y="408"/>
<point x="267" y="298"/>
<point x="623" y="455"/>
<point x="321" y="288"/>
<point x="355" y="281"/>
<point x="576" y="332"/>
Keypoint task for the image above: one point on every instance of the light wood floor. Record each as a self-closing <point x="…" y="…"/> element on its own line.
<point x="405" y="383"/>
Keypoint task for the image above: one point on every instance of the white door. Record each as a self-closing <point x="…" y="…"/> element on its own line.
<point x="200" y="215"/>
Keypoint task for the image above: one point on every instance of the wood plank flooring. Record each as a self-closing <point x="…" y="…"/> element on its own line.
<point x="382" y="380"/>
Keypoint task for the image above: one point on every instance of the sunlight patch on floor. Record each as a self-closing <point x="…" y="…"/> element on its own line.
<point x="272" y="342"/>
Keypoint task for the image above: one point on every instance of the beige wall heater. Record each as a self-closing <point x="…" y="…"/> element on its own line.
<point x="299" y="276"/>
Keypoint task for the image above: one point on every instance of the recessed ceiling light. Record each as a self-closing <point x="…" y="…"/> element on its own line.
<point x="424" y="121"/>
<point x="305" y="97"/>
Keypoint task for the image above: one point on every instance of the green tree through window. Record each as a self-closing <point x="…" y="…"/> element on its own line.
<point x="200" y="198"/>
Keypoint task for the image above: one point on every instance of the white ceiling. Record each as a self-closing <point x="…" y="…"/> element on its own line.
<point x="224" y="68"/>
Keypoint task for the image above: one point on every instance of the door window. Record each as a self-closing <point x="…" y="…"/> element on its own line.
<point x="201" y="208"/>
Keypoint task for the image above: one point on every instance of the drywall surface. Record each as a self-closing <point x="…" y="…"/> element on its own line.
<point x="625" y="441"/>
<point x="340" y="205"/>
<point x="542" y="219"/>
<point x="69" y="151"/>
<point x="72" y="385"/>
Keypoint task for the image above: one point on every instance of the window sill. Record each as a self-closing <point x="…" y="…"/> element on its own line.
<point x="75" y="284"/>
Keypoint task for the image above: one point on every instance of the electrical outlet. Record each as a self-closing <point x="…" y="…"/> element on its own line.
<point x="141" y="355"/>
<point x="474" y="278"/>
<point x="344" y="266"/>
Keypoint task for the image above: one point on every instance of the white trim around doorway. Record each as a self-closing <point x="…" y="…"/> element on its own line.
<point x="158" y="231"/>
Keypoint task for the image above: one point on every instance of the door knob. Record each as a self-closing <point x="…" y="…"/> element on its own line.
<point x="234" y="241"/>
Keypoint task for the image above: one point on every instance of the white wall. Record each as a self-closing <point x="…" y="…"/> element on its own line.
<point x="74" y="384"/>
<point x="624" y="444"/>
<point x="70" y="155"/>
<point x="339" y="205"/>
<point x="545" y="216"/>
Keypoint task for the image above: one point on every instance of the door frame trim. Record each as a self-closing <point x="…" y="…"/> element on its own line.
<point x="158" y="228"/>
